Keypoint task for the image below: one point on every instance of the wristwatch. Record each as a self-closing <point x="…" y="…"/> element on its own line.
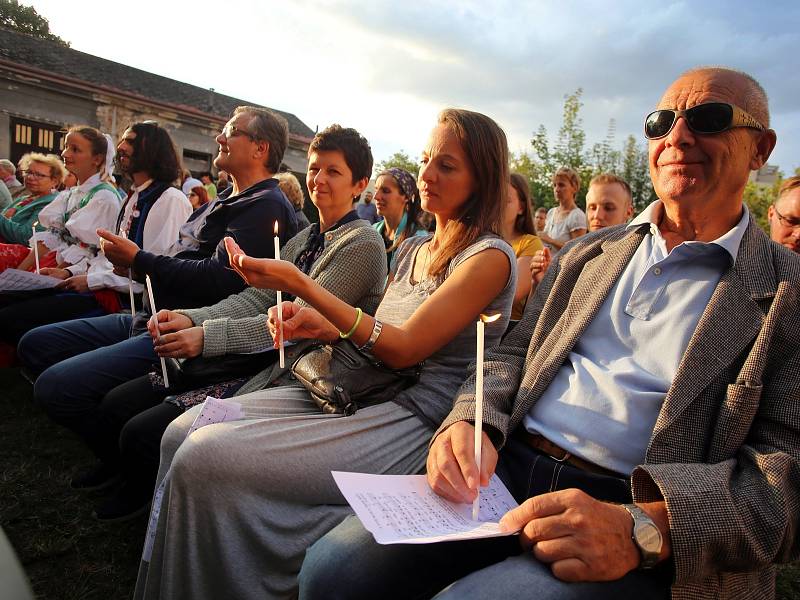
<point x="645" y="535"/>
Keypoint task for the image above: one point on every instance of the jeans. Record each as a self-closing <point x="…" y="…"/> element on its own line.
<point x="78" y="362"/>
<point x="348" y="563"/>
<point x="19" y="313"/>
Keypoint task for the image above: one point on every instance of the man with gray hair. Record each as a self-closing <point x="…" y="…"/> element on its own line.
<point x="644" y="411"/>
<point x="784" y="215"/>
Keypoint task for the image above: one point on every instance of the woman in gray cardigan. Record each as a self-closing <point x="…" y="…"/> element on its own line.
<point x="342" y="253"/>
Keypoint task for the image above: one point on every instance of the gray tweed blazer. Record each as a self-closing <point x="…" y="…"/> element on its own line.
<point x="725" y="450"/>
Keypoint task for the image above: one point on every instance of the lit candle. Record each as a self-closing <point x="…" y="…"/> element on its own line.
<point x="479" y="406"/>
<point x="158" y="329"/>
<point x="281" y="359"/>
<point x="35" y="246"/>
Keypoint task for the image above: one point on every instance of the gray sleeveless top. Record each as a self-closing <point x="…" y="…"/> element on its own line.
<point x="444" y="371"/>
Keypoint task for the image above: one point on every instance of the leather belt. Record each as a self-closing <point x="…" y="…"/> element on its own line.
<point x="558" y="454"/>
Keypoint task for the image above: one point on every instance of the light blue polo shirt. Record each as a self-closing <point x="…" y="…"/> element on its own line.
<point x="605" y="399"/>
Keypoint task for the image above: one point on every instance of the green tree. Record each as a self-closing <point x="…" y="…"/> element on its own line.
<point x="635" y="169"/>
<point x="524" y="164"/>
<point x="25" y="19"/>
<point x="568" y="150"/>
<point x="758" y="199"/>
<point x="400" y="160"/>
<point x="604" y="158"/>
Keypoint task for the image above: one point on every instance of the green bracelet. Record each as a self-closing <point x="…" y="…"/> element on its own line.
<point x="359" y="314"/>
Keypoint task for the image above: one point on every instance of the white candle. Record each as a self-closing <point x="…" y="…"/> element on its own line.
<point x="158" y="329"/>
<point x="130" y="282"/>
<point x="478" y="414"/>
<point x="479" y="406"/>
<point x="281" y="358"/>
<point x="130" y="292"/>
<point x="35" y="246"/>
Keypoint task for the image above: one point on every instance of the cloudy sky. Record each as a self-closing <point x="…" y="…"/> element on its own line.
<point x="387" y="67"/>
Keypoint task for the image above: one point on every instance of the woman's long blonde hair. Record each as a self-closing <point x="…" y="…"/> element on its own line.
<point x="486" y="147"/>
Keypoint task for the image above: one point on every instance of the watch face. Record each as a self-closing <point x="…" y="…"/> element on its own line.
<point x="648" y="537"/>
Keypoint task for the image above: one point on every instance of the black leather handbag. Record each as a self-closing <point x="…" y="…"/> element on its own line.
<point x="192" y="373"/>
<point x="342" y="379"/>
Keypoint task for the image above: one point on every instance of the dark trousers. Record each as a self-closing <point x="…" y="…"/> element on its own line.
<point x="19" y="313"/>
<point x="79" y="362"/>
<point x="348" y="563"/>
<point x="140" y="439"/>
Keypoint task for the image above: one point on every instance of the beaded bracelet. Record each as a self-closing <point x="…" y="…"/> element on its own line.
<point x="359" y="314"/>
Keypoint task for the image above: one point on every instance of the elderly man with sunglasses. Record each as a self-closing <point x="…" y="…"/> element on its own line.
<point x="645" y="408"/>
<point x="784" y="215"/>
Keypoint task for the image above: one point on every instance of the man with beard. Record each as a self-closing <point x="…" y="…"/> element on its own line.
<point x="90" y="287"/>
<point x="78" y="361"/>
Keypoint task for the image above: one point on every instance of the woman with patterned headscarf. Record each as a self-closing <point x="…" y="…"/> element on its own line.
<point x="398" y="202"/>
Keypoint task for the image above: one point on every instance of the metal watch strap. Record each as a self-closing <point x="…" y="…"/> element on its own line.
<point x="641" y="520"/>
<point x="373" y="337"/>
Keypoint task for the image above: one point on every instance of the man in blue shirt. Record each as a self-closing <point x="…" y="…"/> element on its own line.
<point x="644" y="408"/>
<point x="367" y="210"/>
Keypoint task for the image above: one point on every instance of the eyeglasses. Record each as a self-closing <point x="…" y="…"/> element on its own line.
<point x="35" y="175"/>
<point x="787" y="222"/>
<point x="708" y="118"/>
<point x="230" y="131"/>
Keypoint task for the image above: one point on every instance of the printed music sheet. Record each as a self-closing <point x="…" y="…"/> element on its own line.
<point x="403" y="509"/>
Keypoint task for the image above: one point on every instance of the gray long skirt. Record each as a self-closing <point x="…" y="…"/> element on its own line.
<point x="245" y="499"/>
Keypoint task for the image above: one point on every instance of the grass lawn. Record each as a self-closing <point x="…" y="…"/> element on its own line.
<point x="66" y="553"/>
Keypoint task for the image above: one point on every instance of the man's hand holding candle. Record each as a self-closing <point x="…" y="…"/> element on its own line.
<point x="119" y="250"/>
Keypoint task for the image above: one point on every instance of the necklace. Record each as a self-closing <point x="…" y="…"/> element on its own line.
<point x="427" y="261"/>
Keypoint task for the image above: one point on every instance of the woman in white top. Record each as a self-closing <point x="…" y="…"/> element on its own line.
<point x="565" y="221"/>
<point x="71" y="220"/>
<point x="90" y="287"/>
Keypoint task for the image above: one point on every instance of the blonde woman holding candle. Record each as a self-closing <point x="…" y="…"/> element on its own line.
<point x="261" y="489"/>
<point x="42" y="175"/>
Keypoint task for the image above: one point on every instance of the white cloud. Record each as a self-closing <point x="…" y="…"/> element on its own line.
<point x="387" y="67"/>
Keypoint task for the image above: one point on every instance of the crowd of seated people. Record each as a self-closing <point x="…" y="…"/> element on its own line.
<point x="642" y="409"/>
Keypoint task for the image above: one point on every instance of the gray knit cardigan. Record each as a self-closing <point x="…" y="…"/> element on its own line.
<point x="352" y="266"/>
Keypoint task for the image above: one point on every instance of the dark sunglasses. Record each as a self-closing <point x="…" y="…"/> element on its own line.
<point x="711" y="117"/>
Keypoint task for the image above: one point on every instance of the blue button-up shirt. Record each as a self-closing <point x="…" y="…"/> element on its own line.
<point x="606" y="397"/>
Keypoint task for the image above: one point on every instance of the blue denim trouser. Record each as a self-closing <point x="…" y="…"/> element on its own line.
<point x="349" y="563"/>
<point x="77" y="363"/>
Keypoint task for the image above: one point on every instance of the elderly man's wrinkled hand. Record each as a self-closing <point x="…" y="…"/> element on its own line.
<point x="452" y="472"/>
<point x="582" y="539"/>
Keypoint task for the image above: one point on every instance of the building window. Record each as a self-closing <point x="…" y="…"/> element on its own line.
<point x="31" y="136"/>
<point x="196" y="162"/>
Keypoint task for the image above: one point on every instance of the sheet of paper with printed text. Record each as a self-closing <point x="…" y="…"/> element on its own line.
<point x="403" y="509"/>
